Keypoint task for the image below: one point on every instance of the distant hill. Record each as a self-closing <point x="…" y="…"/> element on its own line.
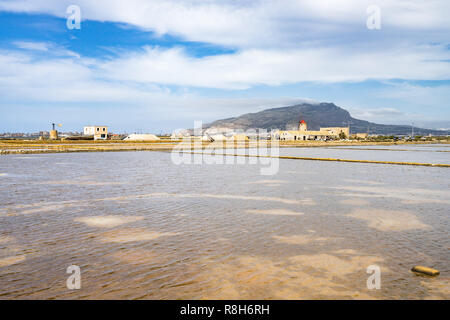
<point x="316" y="116"/>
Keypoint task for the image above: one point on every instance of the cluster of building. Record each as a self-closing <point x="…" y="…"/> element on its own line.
<point x="303" y="134"/>
<point x="101" y="133"/>
<point x="16" y="135"/>
<point x="34" y="135"/>
<point x="209" y="135"/>
<point x="215" y="134"/>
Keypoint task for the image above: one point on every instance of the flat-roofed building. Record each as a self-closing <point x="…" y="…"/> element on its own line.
<point x="303" y="134"/>
<point x="98" y="132"/>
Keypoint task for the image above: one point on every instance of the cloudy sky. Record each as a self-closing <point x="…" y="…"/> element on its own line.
<point x="158" y="65"/>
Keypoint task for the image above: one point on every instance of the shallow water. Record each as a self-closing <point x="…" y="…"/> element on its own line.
<point x="436" y="154"/>
<point x="140" y="227"/>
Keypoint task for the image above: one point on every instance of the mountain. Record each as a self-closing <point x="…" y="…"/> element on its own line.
<point x="316" y="116"/>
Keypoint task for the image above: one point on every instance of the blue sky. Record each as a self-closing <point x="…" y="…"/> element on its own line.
<point x="155" y="66"/>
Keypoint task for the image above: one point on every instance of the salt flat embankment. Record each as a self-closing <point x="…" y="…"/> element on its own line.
<point x="36" y="146"/>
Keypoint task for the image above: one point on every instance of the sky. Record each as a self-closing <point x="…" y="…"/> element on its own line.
<point x="153" y="66"/>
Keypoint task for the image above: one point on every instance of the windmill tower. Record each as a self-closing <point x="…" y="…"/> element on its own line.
<point x="302" y="126"/>
<point x="54" y="132"/>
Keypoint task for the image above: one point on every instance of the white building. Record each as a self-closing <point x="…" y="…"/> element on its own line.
<point x="98" y="132"/>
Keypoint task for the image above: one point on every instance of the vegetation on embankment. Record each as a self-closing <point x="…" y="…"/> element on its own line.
<point x="47" y="146"/>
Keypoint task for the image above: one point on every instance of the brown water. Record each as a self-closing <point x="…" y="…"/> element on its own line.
<point x="140" y="227"/>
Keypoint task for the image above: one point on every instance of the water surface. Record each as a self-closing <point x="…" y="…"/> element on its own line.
<point x="141" y="227"/>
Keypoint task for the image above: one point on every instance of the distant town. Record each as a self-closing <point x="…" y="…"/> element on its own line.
<point x="303" y="122"/>
<point x="99" y="132"/>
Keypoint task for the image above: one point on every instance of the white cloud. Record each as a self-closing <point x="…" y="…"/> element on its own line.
<point x="276" y="67"/>
<point x="375" y="114"/>
<point x="37" y="46"/>
<point x="280" y="42"/>
<point x="68" y="80"/>
<point x="132" y="76"/>
<point x="259" y="23"/>
<point x="46" y="48"/>
<point x="276" y="42"/>
<point x="436" y="96"/>
<point x="426" y="106"/>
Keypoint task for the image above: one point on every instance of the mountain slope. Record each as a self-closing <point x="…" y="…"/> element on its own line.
<point x="316" y="115"/>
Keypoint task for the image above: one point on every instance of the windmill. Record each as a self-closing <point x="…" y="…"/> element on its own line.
<point x="54" y="132"/>
<point x="59" y="125"/>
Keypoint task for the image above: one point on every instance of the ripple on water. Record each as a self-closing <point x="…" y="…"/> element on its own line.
<point x="355" y="202"/>
<point x="132" y="235"/>
<point x="389" y="220"/>
<point x="193" y="232"/>
<point x="107" y="221"/>
<point x="275" y="212"/>
<point x="300" y="239"/>
<point x="9" y="261"/>
<point x="299" y="277"/>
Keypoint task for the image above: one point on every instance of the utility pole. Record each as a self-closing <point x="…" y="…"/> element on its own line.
<point x="412" y="130"/>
